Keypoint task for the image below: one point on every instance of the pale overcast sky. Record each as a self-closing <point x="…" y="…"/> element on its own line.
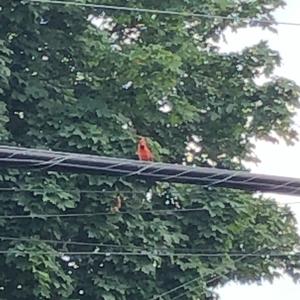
<point x="277" y="159"/>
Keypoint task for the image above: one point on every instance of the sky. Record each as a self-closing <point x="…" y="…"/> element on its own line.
<point x="276" y="159"/>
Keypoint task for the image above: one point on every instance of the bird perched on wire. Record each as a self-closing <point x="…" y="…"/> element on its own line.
<point x="143" y="150"/>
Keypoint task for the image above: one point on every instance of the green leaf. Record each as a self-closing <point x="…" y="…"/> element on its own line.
<point x="68" y="85"/>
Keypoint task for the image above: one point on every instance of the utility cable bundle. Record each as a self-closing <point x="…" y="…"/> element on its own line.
<point x="16" y="157"/>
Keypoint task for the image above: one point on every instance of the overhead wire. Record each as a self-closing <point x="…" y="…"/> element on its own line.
<point x="142" y="253"/>
<point x="75" y="190"/>
<point x="154" y="252"/>
<point x="189" y="252"/>
<point x="212" y="279"/>
<point x="164" y="12"/>
<point x="228" y="179"/>
<point x="194" y="280"/>
<point x="152" y="211"/>
<point x="176" y="288"/>
<point x="68" y="242"/>
<point x="61" y="161"/>
<point x="190" y="290"/>
<point x="104" y="213"/>
<point x="208" y="282"/>
<point x="128" y="212"/>
<point x="120" y="253"/>
<point x="123" y="192"/>
<point x="224" y="179"/>
<point x="197" y="287"/>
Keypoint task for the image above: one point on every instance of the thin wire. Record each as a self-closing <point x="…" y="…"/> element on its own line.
<point x="176" y="288"/>
<point x="251" y="178"/>
<point x="177" y="175"/>
<point x="8" y="189"/>
<point x="224" y="179"/>
<point x="162" y="168"/>
<point x="69" y="242"/>
<point x="215" y="278"/>
<point x="165" y="12"/>
<point x="190" y="290"/>
<point x="296" y="190"/>
<point x="139" y="171"/>
<point x="155" y="250"/>
<point x="48" y="164"/>
<point x="144" y="253"/>
<point x="165" y="178"/>
<point x="17" y="239"/>
<point x="284" y="185"/>
<point x="132" y="212"/>
<point x="209" y="281"/>
<point x="54" y="162"/>
<point x="82" y="191"/>
<point x="195" y="279"/>
<point x="116" y="165"/>
<point x="202" y="178"/>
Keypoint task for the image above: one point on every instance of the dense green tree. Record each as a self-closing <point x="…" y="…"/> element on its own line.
<point x="67" y="84"/>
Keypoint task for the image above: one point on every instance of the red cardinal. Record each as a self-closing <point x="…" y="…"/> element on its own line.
<point x="143" y="150"/>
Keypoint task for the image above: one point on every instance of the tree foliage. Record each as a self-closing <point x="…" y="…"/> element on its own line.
<point x="66" y="84"/>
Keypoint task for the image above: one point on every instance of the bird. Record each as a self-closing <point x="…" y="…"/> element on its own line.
<point x="117" y="204"/>
<point x="143" y="150"/>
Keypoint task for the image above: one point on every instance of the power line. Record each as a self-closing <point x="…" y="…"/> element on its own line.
<point x="210" y="280"/>
<point x="196" y="279"/>
<point x="165" y="12"/>
<point x="190" y="290"/>
<point x="197" y="287"/>
<point x="128" y="212"/>
<point x="148" y="253"/>
<point x="124" y="192"/>
<point x="132" y="212"/>
<point x="75" y="243"/>
<point x="144" y="253"/>
<point x="176" y="288"/>
<point x="75" y="190"/>
<point x="142" y="250"/>
<point x="16" y="157"/>
<point x="111" y="192"/>
<point x="24" y="157"/>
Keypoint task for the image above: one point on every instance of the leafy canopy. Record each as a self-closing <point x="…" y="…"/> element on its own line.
<point x="66" y="84"/>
